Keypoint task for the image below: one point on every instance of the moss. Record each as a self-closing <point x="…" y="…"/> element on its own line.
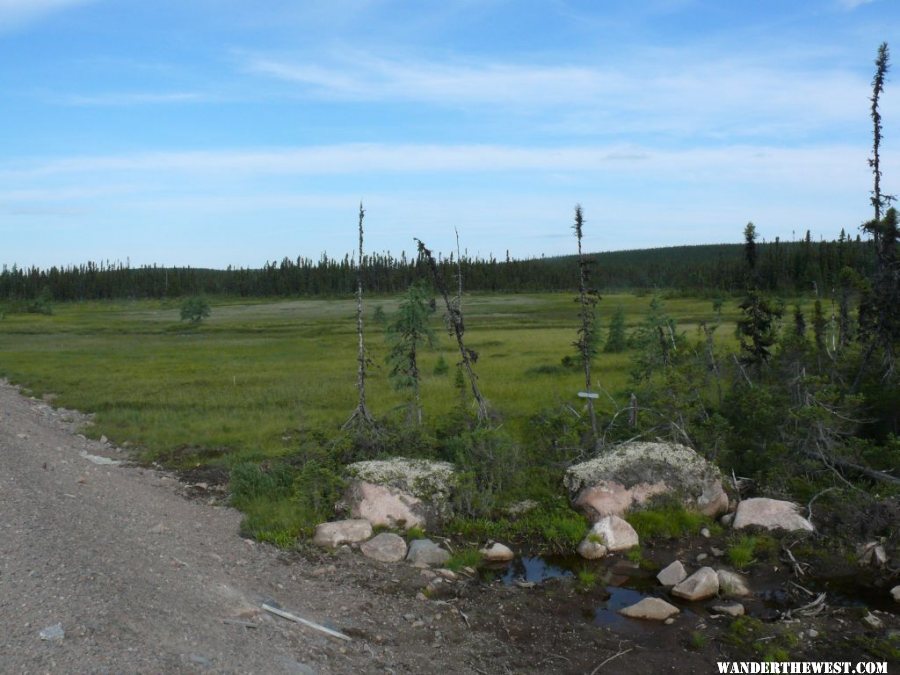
<point x="467" y="557"/>
<point x="669" y="519"/>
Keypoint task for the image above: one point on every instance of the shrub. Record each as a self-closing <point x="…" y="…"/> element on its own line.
<point x="195" y="309"/>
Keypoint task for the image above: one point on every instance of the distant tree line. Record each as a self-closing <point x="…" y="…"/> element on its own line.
<point x="796" y="266"/>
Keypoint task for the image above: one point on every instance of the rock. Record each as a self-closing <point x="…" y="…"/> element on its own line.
<point x="632" y="473"/>
<point x="673" y="574"/>
<point x="384" y="547"/>
<point x="701" y="557"/>
<point x="872" y="621"/>
<point x="812" y="633"/>
<point x="497" y="552"/>
<point x="53" y="633"/>
<point x="400" y="492"/>
<point x="427" y="552"/>
<point x="732" y="585"/>
<point x="522" y="507"/>
<point x="652" y="609"/>
<point x="873" y="554"/>
<point x="731" y="609"/>
<point x="702" y="584"/>
<point x="895" y="593"/>
<point x="449" y="575"/>
<point x="727" y="519"/>
<point x="591" y="549"/>
<point x="332" y="535"/>
<point x="705" y="533"/>
<point x="614" y="533"/>
<point x="669" y="621"/>
<point x="717" y="552"/>
<point x="772" y="514"/>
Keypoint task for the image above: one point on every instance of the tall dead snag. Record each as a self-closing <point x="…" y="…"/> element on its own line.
<point x="456" y="328"/>
<point x="879" y="200"/>
<point x="586" y="343"/>
<point x="361" y="416"/>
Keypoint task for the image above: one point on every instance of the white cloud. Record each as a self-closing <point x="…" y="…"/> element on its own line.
<point x="14" y="13"/>
<point x="744" y="161"/>
<point x="658" y="93"/>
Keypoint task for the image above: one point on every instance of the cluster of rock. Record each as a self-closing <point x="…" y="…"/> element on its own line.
<point x="703" y="584"/>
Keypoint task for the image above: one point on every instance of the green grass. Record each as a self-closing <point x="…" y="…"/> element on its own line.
<point x="669" y="520"/>
<point x="253" y="378"/>
<point x="746" y="549"/>
<point x="261" y="381"/>
<point x="467" y="557"/>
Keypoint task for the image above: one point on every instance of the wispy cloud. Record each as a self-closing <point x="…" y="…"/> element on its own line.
<point x="853" y="4"/>
<point x="132" y="98"/>
<point x="684" y="94"/>
<point x="829" y="163"/>
<point x="15" y="13"/>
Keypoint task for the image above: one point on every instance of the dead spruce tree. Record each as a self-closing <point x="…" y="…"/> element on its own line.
<point x="587" y="298"/>
<point x="457" y="329"/>
<point x="361" y="417"/>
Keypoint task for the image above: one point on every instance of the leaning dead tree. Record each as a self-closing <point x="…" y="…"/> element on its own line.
<point x="456" y="328"/>
<point x="586" y="343"/>
<point x="361" y="417"/>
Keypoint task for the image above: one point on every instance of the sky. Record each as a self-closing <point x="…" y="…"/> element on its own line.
<point x="223" y="132"/>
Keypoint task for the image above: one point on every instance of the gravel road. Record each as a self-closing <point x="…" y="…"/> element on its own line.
<point x="142" y="579"/>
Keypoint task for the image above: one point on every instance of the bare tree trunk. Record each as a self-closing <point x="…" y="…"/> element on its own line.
<point x="360" y="416"/>
<point x="587" y="301"/>
<point x="454" y="317"/>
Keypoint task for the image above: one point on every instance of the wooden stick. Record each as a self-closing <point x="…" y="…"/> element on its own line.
<point x="304" y="622"/>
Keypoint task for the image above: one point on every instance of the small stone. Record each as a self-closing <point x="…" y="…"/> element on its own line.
<point x="497" y="552"/>
<point x="727" y="519"/>
<point x="384" y="547"/>
<point x="652" y="609"/>
<point x="159" y="528"/>
<point x="333" y="534"/>
<point x="731" y="609"/>
<point x="702" y="584"/>
<point x="428" y="573"/>
<point x="425" y="551"/>
<point x="669" y="621"/>
<point x="732" y="585"/>
<point x="673" y="574"/>
<point x="872" y="621"/>
<point x="717" y="552"/>
<point x="895" y="593"/>
<point x="705" y="533"/>
<point x="449" y="575"/>
<point x="614" y="533"/>
<point x="701" y="557"/>
<point x="812" y="633"/>
<point x="53" y="633"/>
<point x="104" y="440"/>
<point x="590" y="549"/>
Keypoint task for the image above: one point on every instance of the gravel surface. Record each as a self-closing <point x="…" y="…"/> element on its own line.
<point x="142" y="579"/>
<point x="107" y="567"/>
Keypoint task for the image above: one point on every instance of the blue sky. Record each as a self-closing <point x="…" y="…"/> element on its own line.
<point x="224" y="132"/>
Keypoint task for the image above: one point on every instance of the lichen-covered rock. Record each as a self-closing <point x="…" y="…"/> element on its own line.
<point x="332" y="535"/>
<point x="614" y="533"/>
<point x="384" y="547"/>
<point x="400" y="492"/>
<point x="426" y="552"/>
<point x="632" y="473"/>
<point x="772" y="514"/>
<point x="702" y="584"/>
<point x="734" y="609"/>
<point x="652" y="609"/>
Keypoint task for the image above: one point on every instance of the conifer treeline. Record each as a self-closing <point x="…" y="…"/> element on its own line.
<point x="783" y="266"/>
